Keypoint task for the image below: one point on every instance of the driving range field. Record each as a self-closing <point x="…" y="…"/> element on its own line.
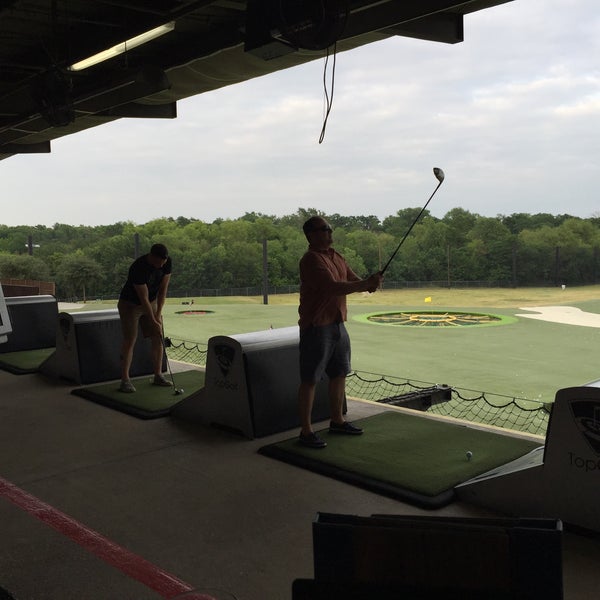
<point x="516" y="355"/>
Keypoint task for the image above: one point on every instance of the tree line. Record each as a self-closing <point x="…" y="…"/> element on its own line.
<point x="515" y="250"/>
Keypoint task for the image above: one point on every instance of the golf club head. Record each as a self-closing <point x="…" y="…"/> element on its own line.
<point x="439" y="174"/>
<point x="178" y="391"/>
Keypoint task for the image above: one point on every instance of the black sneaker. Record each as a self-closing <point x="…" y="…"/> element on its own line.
<point x="162" y="381"/>
<point x="345" y="427"/>
<point x="312" y="440"/>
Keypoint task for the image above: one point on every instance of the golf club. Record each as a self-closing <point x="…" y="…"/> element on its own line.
<point x="166" y="342"/>
<point x="439" y="175"/>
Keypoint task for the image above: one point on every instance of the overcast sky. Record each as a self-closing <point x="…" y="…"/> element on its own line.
<point x="512" y="116"/>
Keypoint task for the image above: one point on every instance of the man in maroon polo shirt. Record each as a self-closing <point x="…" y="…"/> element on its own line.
<point x="325" y="281"/>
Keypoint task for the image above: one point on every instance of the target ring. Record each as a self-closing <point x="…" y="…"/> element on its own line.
<point x="434" y="319"/>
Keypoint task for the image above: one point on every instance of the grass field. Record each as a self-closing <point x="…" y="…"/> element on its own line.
<point x="526" y="358"/>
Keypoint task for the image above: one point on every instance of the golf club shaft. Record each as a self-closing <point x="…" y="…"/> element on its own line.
<point x="387" y="264"/>
<point x="162" y="339"/>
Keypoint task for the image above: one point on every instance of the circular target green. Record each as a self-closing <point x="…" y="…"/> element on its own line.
<point x="435" y="318"/>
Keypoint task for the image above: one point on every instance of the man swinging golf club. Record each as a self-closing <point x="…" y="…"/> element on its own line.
<point x="141" y="301"/>
<point x="325" y="281"/>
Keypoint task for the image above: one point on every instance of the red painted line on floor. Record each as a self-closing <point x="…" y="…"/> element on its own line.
<point x="134" y="566"/>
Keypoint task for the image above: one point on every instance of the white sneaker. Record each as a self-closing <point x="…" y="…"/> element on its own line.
<point x="127" y="387"/>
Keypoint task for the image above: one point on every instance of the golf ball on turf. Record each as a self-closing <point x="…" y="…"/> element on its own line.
<point x="469" y="455"/>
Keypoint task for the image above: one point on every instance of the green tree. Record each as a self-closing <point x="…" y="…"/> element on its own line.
<point x="117" y="277"/>
<point x="355" y="262"/>
<point x="366" y="245"/>
<point x="459" y="223"/>
<point x="294" y="245"/>
<point x="78" y="273"/>
<point x="210" y="268"/>
<point x="228" y="252"/>
<point x="490" y="246"/>
<point x="353" y="223"/>
<point x="23" y="266"/>
<point x="402" y="222"/>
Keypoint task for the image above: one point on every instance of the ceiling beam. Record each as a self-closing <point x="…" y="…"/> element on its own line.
<point x="39" y="148"/>
<point x="443" y="27"/>
<point x="133" y="110"/>
<point x="384" y="15"/>
<point x="107" y="95"/>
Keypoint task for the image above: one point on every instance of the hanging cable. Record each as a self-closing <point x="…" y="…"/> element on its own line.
<point x="328" y="99"/>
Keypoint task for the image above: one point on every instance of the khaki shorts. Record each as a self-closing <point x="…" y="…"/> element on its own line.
<point x="133" y="314"/>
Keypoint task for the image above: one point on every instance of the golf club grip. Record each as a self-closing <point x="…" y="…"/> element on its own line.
<point x="387" y="264"/>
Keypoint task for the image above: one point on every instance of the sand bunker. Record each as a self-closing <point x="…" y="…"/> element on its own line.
<point x="69" y="306"/>
<point x="567" y="315"/>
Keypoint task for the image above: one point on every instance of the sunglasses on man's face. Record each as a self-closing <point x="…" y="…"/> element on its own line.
<point x="323" y="228"/>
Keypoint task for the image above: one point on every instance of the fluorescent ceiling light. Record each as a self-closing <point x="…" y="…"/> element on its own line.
<point x="123" y="47"/>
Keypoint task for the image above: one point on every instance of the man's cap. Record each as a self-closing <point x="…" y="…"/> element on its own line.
<point x="159" y="250"/>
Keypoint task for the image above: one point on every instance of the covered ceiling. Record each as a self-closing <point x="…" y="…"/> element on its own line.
<point x="209" y="44"/>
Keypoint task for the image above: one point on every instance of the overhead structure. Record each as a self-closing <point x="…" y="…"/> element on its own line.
<point x="68" y="65"/>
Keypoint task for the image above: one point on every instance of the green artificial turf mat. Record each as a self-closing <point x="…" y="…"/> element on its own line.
<point x="149" y="401"/>
<point x="412" y="458"/>
<point x="24" y="361"/>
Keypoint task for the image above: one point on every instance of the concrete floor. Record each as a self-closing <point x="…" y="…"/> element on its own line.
<point x="198" y="503"/>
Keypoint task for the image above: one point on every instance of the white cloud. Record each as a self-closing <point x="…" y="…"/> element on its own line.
<point x="511" y="115"/>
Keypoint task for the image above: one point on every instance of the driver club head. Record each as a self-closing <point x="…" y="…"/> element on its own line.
<point x="439" y="174"/>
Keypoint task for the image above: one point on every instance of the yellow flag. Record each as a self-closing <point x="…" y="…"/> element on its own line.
<point x="428" y="299"/>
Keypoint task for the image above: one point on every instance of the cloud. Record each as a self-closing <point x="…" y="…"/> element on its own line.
<point x="511" y="115"/>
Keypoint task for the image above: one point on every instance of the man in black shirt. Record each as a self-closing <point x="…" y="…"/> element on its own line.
<point x="140" y="302"/>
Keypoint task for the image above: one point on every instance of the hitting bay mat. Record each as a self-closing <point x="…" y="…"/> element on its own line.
<point x="24" y="361"/>
<point x="149" y="401"/>
<point x="410" y="458"/>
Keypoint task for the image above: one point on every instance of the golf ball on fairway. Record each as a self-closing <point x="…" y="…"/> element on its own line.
<point x="469" y="455"/>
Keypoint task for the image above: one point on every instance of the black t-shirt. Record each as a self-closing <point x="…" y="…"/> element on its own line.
<point x="142" y="272"/>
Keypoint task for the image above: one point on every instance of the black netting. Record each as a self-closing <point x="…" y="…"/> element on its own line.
<point x="487" y="408"/>
<point x="186" y="351"/>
